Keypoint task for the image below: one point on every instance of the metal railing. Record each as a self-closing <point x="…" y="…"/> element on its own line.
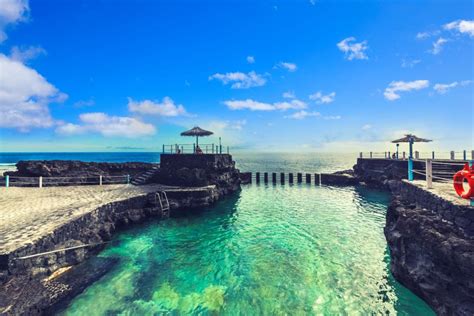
<point x="441" y="155"/>
<point x="13" y="181"/>
<point x="191" y="149"/>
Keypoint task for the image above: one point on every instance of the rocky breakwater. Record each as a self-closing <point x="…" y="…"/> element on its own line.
<point x="192" y="170"/>
<point x="75" y="168"/>
<point x="431" y="243"/>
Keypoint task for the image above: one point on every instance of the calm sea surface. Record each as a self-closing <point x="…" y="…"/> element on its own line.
<point x="267" y="250"/>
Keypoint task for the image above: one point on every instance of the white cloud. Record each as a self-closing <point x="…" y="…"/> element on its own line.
<point x="291" y="67"/>
<point x="84" y="103"/>
<point x="353" y="50"/>
<point x="422" y="35"/>
<point x="24" y="96"/>
<point x="252" y="105"/>
<point x="461" y="26"/>
<point x="391" y="92"/>
<point x="410" y="63"/>
<point x="109" y="126"/>
<point x="303" y="114"/>
<point x="443" y="88"/>
<point x="11" y="12"/>
<point x="366" y="127"/>
<point x="221" y="126"/>
<point x="332" y="117"/>
<point x="240" y="80"/>
<point x="312" y="2"/>
<point x="438" y="46"/>
<point x="167" y="107"/>
<point x="250" y="59"/>
<point x="289" y="95"/>
<point x="324" y="99"/>
<point x="26" y="54"/>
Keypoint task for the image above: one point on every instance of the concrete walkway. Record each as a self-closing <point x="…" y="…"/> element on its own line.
<point x="27" y="214"/>
<point x="441" y="189"/>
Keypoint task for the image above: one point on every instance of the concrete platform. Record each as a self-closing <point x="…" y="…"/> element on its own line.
<point x="27" y="214"/>
<point x="443" y="190"/>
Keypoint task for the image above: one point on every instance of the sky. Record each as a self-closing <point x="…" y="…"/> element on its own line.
<point x="329" y="76"/>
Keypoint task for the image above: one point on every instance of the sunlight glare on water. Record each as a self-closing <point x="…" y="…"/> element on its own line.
<point x="269" y="250"/>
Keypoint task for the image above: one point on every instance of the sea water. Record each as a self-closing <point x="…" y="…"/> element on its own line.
<point x="267" y="250"/>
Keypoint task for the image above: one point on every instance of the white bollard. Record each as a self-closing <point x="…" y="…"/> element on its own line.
<point x="40" y="182"/>
<point x="429" y="173"/>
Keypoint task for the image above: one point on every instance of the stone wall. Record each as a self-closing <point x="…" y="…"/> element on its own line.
<point x="431" y="245"/>
<point x="199" y="170"/>
<point x="97" y="227"/>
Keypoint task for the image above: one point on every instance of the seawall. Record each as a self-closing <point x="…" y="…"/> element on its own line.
<point x="430" y="235"/>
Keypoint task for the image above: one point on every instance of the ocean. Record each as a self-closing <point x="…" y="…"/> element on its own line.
<point x="266" y="250"/>
<point x="248" y="161"/>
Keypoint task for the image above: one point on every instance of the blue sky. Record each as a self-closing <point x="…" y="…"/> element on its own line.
<point x="271" y="75"/>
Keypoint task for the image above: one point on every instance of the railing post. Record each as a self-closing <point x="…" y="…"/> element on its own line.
<point x="257" y="177"/>
<point x="274" y="177"/>
<point x="389" y="156"/>
<point x="432" y="155"/>
<point x="40" y="182"/>
<point x="299" y="177"/>
<point x="100" y="180"/>
<point x="128" y="179"/>
<point x="370" y="154"/>
<point x="282" y="178"/>
<point x="290" y="178"/>
<point x="265" y="177"/>
<point x="410" y="169"/>
<point x="385" y="154"/>
<point x="316" y="179"/>
<point x="417" y="155"/>
<point x="308" y="178"/>
<point x="360" y="155"/>
<point x="163" y="150"/>
<point x="7" y="181"/>
<point x="404" y="155"/>
<point x="452" y="155"/>
<point x="212" y="148"/>
<point x="472" y="154"/>
<point x="464" y="155"/>
<point x="194" y="148"/>
<point x="429" y="173"/>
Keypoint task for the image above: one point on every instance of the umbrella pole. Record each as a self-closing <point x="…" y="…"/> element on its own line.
<point x="197" y="140"/>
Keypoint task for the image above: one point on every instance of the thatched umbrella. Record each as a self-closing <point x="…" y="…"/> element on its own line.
<point x="197" y="131"/>
<point x="409" y="138"/>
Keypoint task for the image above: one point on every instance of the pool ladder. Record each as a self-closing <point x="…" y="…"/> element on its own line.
<point x="162" y="199"/>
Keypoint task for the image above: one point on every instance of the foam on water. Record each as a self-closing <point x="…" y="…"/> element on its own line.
<point x="268" y="250"/>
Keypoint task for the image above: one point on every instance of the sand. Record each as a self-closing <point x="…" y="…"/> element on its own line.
<point x="27" y="214"/>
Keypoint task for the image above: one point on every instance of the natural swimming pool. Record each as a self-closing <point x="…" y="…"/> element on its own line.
<point x="296" y="249"/>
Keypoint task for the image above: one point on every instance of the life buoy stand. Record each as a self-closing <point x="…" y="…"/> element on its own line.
<point x="458" y="180"/>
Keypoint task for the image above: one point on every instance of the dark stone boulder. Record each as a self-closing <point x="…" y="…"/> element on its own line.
<point x="75" y="168"/>
<point x="431" y="255"/>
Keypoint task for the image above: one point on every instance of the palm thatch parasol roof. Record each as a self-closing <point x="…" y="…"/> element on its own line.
<point x="409" y="138"/>
<point x="197" y="131"/>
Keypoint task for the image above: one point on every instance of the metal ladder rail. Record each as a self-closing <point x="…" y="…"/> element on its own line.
<point x="164" y="209"/>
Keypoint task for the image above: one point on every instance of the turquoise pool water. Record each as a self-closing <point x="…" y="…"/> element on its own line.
<point x="269" y="250"/>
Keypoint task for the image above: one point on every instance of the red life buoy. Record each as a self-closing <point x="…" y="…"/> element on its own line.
<point x="458" y="180"/>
